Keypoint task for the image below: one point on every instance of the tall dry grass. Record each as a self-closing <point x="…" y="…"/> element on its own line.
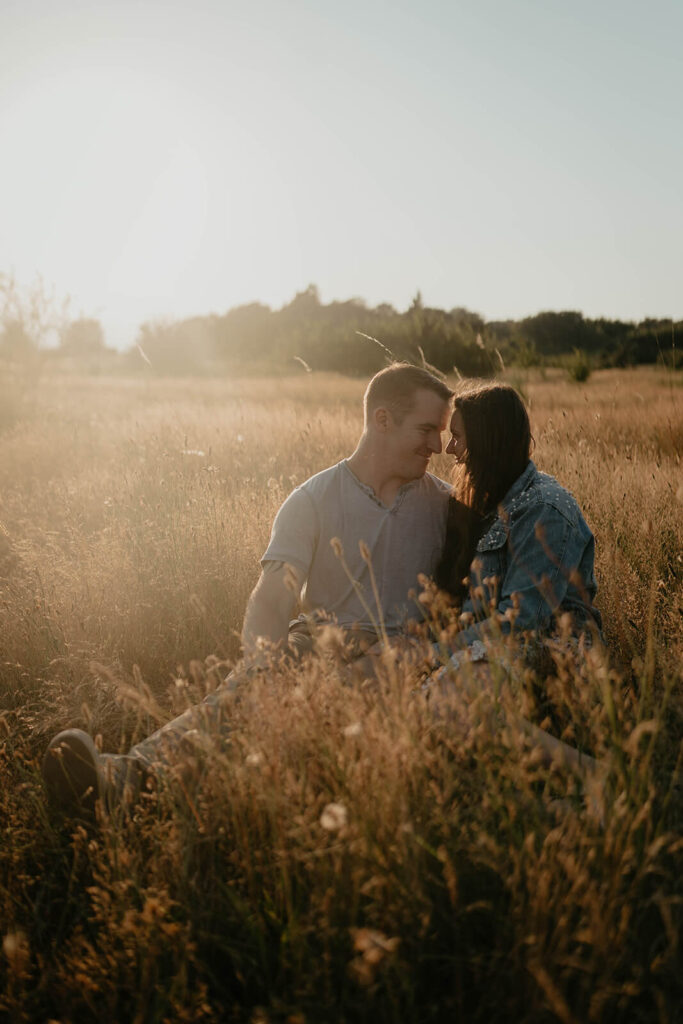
<point x="347" y="849"/>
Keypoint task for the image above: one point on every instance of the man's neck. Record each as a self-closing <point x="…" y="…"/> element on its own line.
<point x="368" y="465"/>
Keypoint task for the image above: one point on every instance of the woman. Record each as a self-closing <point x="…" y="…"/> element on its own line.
<point x="518" y="553"/>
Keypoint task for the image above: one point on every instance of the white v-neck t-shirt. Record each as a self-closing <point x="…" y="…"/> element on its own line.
<point x="403" y="541"/>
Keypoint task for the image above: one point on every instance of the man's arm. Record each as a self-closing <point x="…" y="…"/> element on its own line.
<point x="271" y="607"/>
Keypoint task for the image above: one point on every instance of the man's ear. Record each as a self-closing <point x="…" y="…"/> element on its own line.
<point x="382" y="419"/>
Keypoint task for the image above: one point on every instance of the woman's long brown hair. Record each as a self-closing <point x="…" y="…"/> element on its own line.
<point x="498" y="438"/>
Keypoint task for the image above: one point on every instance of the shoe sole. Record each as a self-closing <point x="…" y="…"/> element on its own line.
<point x="71" y="773"/>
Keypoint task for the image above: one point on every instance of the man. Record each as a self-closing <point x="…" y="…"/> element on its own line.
<point x="383" y="496"/>
<point x="349" y="543"/>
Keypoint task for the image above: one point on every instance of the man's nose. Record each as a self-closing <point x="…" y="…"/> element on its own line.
<point x="436" y="445"/>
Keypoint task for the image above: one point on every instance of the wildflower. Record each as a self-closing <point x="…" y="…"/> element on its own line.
<point x="152" y="910"/>
<point x="334" y="817"/>
<point x="15" y="947"/>
<point x="373" y="946"/>
<point x="355" y="729"/>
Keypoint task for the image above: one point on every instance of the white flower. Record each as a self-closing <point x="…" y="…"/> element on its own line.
<point x="334" y="817"/>
<point x="478" y="651"/>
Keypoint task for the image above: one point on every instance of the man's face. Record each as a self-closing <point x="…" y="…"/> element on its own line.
<point x="411" y="443"/>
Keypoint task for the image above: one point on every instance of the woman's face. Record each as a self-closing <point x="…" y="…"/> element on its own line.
<point x="457" y="446"/>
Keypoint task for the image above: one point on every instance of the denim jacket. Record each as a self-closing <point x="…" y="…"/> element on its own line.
<point x="536" y="558"/>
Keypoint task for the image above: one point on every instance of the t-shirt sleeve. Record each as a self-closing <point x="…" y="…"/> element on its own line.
<point x="294" y="536"/>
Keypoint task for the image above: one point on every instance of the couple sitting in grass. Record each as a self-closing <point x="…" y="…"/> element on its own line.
<point x="350" y="546"/>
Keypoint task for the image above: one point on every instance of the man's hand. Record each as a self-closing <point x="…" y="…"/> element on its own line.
<point x="270" y="609"/>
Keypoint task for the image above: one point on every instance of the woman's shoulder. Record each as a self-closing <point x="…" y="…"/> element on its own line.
<point x="534" y="494"/>
<point x="552" y="494"/>
<point x="535" y="490"/>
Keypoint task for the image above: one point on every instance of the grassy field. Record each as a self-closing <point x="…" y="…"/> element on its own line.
<point x="348" y="856"/>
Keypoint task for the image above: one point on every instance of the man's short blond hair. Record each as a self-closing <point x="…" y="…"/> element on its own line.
<point x="395" y="387"/>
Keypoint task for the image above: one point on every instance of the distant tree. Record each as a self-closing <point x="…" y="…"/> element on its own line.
<point x="82" y="337"/>
<point x="341" y="336"/>
<point x="523" y="353"/>
<point x="28" y="316"/>
<point x="159" y="345"/>
<point x="243" y="332"/>
<point x="15" y="341"/>
<point x="466" y="318"/>
<point x="651" y="338"/>
<point x="176" y="347"/>
<point x="304" y="303"/>
<point x="611" y="330"/>
<point x="555" y="333"/>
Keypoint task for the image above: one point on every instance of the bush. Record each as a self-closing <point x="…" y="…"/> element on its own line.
<point x="579" y="366"/>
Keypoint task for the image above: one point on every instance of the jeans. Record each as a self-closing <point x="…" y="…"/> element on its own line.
<point x="209" y="720"/>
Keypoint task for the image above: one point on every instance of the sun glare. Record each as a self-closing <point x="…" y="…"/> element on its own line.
<point x="166" y="222"/>
<point x="149" y="196"/>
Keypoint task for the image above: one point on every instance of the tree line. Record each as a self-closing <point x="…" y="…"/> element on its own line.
<point x="348" y="337"/>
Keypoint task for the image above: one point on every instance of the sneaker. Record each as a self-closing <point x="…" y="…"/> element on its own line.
<point x="76" y="775"/>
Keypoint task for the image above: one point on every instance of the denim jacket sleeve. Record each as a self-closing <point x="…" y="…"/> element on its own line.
<point x="541" y="548"/>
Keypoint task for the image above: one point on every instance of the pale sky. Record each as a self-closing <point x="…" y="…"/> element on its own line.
<point x="165" y="159"/>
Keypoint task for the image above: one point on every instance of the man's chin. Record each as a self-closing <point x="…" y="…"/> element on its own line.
<point x="417" y="470"/>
